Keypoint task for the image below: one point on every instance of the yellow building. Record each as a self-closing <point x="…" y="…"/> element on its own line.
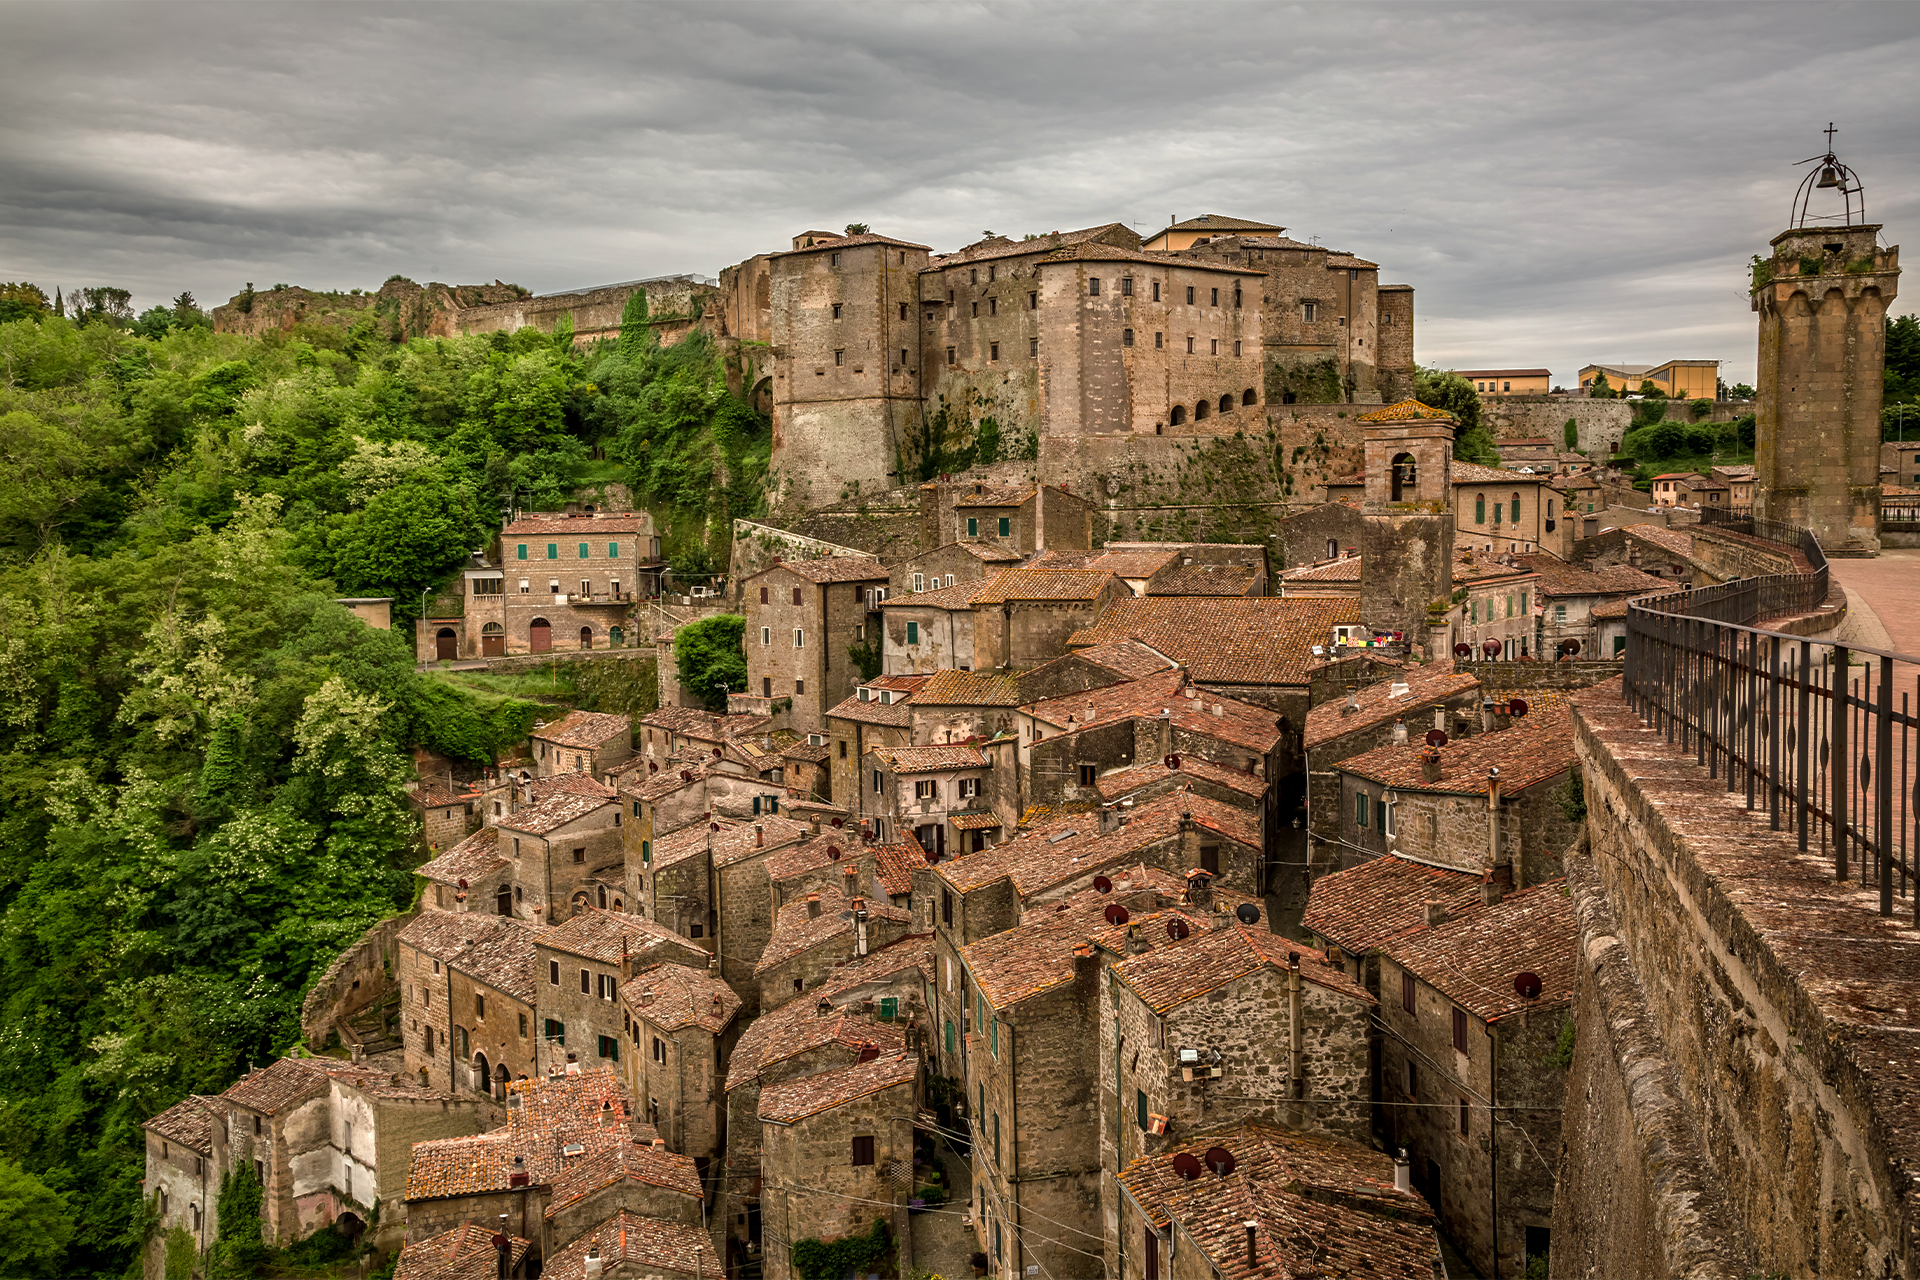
<point x="1509" y="382"/>
<point x="1184" y="235"/>
<point x="1677" y="379"/>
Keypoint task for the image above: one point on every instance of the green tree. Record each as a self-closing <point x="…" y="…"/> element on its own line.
<point x="181" y="1254"/>
<point x="1740" y="391"/>
<point x="859" y="229"/>
<point x="709" y="657"/>
<point x="1572" y="433"/>
<point x="405" y="540"/>
<point x="22" y="301"/>
<point x="239" y="1250"/>
<point x="35" y="1225"/>
<point x="1600" y="388"/>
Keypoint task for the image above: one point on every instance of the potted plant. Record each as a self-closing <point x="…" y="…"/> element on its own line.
<point x="979" y="1263"/>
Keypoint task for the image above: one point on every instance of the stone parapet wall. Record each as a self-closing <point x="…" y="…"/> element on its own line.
<point x="1600" y="424"/>
<point x="358" y="977"/>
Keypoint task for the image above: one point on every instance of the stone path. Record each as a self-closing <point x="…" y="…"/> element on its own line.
<point x="1883" y="600"/>
<point x="941" y="1245"/>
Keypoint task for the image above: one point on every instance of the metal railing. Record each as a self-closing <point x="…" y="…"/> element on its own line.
<point x="1829" y="750"/>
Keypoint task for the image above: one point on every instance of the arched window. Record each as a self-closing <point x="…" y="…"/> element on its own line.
<point x="482" y="1074"/>
<point x="1248" y="397"/>
<point x="1179" y="415"/>
<point x="586" y="637"/>
<point x="1516" y="508"/>
<point x="1226" y="403"/>
<point x="1403" y="477"/>
<point x="1202" y="410"/>
<point x="603" y="897"/>
<point x="1288" y="397"/>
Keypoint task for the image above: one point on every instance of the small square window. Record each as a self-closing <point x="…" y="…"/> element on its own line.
<point x="863" y="1150"/>
<point x="1093" y="286"/>
<point x="993" y="351"/>
<point x="1033" y="348"/>
<point x="1126" y="286"/>
<point x="836" y="311"/>
<point x="1086" y="775"/>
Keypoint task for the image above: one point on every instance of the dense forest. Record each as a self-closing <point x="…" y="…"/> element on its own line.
<point x="202" y="756"/>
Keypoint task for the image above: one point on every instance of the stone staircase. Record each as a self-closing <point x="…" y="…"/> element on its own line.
<point x="375" y="1028"/>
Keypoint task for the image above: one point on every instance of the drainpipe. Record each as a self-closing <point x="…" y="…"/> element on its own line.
<point x="1296" y="1050"/>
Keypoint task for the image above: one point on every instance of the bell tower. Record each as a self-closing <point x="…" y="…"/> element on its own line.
<point x="1822" y="298"/>
<point x="1407" y="546"/>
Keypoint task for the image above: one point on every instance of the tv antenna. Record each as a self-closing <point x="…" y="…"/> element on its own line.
<point x="1831" y="175"/>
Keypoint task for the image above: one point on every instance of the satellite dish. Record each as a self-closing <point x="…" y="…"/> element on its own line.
<point x="1569" y="647"/>
<point x="868" y="1052"/>
<point x="1517" y="707"/>
<point x="686" y="775"/>
<point x="1102" y="885"/>
<point x="713" y="826"/>
<point x="1173" y="762"/>
<point x="1187" y="1165"/>
<point x="1463" y="649"/>
<point x="1220" y="1160"/>
<point x="1247" y="913"/>
<point x="716" y="753"/>
<point x="653" y="766"/>
<point x="1116" y="914"/>
<point x="839" y="822"/>
<point x="1177" y="929"/>
<point x="1490" y="647"/>
<point x="461" y="884"/>
<point x="1527" y="985"/>
<point x="933" y="855"/>
<point x="833" y="853"/>
<point x="1436" y="737"/>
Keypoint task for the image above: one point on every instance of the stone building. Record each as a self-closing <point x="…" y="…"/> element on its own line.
<point x="1488" y="804"/>
<point x="815" y="934"/>
<point x="591" y="568"/>
<point x="467" y="1252"/>
<point x="1260" y="1203"/>
<point x="877" y="715"/>
<point x="579" y="970"/>
<point x="1822" y="296"/>
<point x="915" y="790"/>
<point x="563" y="853"/>
<point x="1353" y="913"/>
<point x="954" y="563"/>
<point x="1407" y="541"/>
<point x="1569" y="594"/>
<point x="642" y="1179"/>
<point x="467" y="1011"/>
<point x="1475" y="1010"/>
<point x="1025" y="616"/>
<point x="829" y="1146"/>
<point x="682" y="1023"/>
<point x="182" y="1182"/>
<point x="1156" y="778"/>
<point x="1500" y="512"/>
<point x="447" y="813"/>
<point x="839" y="859"/>
<point x="743" y="903"/>
<point x="802" y="616"/>
<point x="1495" y="618"/>
<point x="929" y="631"/>
<point x="582" y="742"/>
<point x="1022" y="520"/>
<point x="630" y="1246"/>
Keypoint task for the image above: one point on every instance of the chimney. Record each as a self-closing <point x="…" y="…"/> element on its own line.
<point x="1489" y="888"/>
<point x="1200" y="889"/>
<point x="1253" y="1259"/>
<point x="1399" y="732"/>
<point x="1436" y="916"/>
<point x="593" y="1263"/>
<point x="1136" y="941"/>
<point x="1402" y="1172"/>
<point x="573" y="1065"/>
<point x="1430" y="765"/>
<point x="719" y="1005"/>
<point x="1495" y="715"/>
<point x="813" y="906"/>
<point x="460" y="900"/>
<point x="1219" y="710"/>
<point x="759" y="836"/>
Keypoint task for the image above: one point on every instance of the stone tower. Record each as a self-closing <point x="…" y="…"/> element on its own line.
<point x="1407" y="545"/>
<point x="1822" y="300"/>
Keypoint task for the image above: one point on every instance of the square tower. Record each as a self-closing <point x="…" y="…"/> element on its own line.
<point x="1407" y="544"/>
<point x="1822" y="300"/>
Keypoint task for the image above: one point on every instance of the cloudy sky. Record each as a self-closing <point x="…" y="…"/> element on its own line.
<point x="1561" y="183"/>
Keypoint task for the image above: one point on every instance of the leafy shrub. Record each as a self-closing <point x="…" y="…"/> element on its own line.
<point x="820" y="1260"/>
<point x="709" y="657"/>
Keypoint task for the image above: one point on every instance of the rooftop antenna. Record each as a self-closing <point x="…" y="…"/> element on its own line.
<point x="1831" y="175"/>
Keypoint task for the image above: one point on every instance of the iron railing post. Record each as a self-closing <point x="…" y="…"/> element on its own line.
<point x="1802" y="796"/>
<point x="1883" y="785"/>
<point x="1837" y="760"/>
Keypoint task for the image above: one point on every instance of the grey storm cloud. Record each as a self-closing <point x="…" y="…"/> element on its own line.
<point x="1560" y="183"/>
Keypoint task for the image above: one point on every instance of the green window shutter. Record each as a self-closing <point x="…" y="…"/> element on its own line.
<point x="756" y="806"/>
<point x="646" y="851"/>
<point x="773" y="804"/>
<point x="584" y="552"/>
<point x="1509" y="606"/>
<point x="1140" y="1108"/>
<point x="996" y="1139"/>
<point x="1523" y="602"/>
<point x="1516" y="510"/>
<point x="1479" y="508"/>
<point x="973" y="526"/>
<point x="913" y="633"/>
<point x="1360" y="809"/>
<point x="553" y="551"/>
<point x="613" y="551"/>
<point x="950" y="1048"/>
<point x="889" y="1008"/>
<point x="1006" y="526"/>
<point x="523" y="551"/>
<point x="1476" y="611"/>
<point x="982" y="1109"/>
<point x="993" y="1037"/>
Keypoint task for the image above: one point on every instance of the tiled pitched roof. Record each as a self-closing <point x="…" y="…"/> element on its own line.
<point x="1404" y="411"/>
<point x="1173" y="972"/>
<point x="1469" y="568"/>
<point x="432" y="795"/>
<point x="949" y="687"/>
<point x="796" y="931"/>
<point x="543" y="1116"/>
<point x="607" y="936"/>
<point x="279" y="1085"/>
<point x="671" y="776"/>
<point x="1094" y="252"/>
<point x="1386" y="700"/>
<point x="473" y="860"/>
<point x="1043" y="584"/>
<point x="585" y="729"/>
<point x="672" y="996"/>
<point x="686" y="842"/>
<point x="1205" y="714"/>
<point x="1472" y="958"/>
<point x="541" y="524"/>
<point x="1205" y="580"/>
<point x="1558" y="578"/>
<point x="1474" y="473"/>
<point x="796" y="1027"/>
<point x="464" y="1253"/>
<point x="791" y="1101"/>
<point x="1227" y="640"/>
<point x="189" y="1122"/>
<point x="993" y="495"/>
<point x="694" y="722"/>
<point x="1618" y="608"/>
<point x="1220" y="222"/>
<point x="806" y="752"/>
<point x="986" y="552"/>
<point x="1119" y="783"/>
<point x="848" y="242"/>
<point x="895" y="715"/>
<point x="1343" y="569"/>
<point x="739" y="843"/>
<point x="1129" y="658"/>
<point x="626" y="1161"/>
<point x="833" y="569"/>
<point x="558" y="810"/>
<point x="934" y="759"/>
<point x="959" y="596"/>
<point x="894" y="865"/>
<point x="1678" y="541"/>
<point x="1360" y="908"/>
<point x="633" y="1244"/>
<point x="498" y="950"/>
<point x="1005" y="247"/>
<point x="1532" y="749"/>
<point x="1132" y="564"/>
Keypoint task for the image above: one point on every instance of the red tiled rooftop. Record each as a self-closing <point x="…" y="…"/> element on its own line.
<point x="792" y="1101"/>
<point x="1042" y="584"/>
<point x="1114" y="785"/>
<point x="585" y="729"/>
<point x="1227" y="640"/>
<point x="1190" y="708"/>
<point x="1532" y="750"/>
<point x="1174" y="971"/>
<point x="189" y="1122"/>
<point x="1472" y="958"/>
<point x="497" y="950"/>
<point x="473" y="860"/>
<point x="1205" y="580"/>
<point x="637" y="1245"/>
<point x="611" y="936"/>
<point x="1386" y="700"/>
<point x="931" y="759"/>
<point x="588" y="526"/>
<point x="464" y="1253"/>
<point x="626" y="1161"/>
<point x="1360" y="908"/>
<point x="558" y="810"/>
<point x="796" y="930"/>
<point x="948" y="687"/>
<point x="672" y="996"/>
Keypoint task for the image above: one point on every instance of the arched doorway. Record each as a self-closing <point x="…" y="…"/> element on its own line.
<point x="493" y="641"/>
<point x="500" y="1083"/>
<point x="350" y="1225"/>
<point x="1226" y="403"/>
<point x="445" y="643"/>
<point x="539" y="636"/>
<point x="579" y="902"/>
<point x="482" y="1074"/>
<point x="586" y="637"/>
<point x="503" y="901"/>
<point x="615" y="637"/>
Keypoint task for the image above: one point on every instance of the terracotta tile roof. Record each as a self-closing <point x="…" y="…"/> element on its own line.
<point x="993" y="495"/>
<point x="1043" y="584"/>
<point x="1174" y="972"/>
<point x="1344" y="569"/>
<point x="806" y="752"/>
<point x="672" y="996"/>
<point x="540" y="524"/>
<point x="1227" y="640"/>
<point x="275" y="1087"/>
<point x="672" y="775"/>
<point x="1348" y="260"/>
<point x="558" y="810"/>
<point x="1469" y="568"/>
<point x="1206" y="714"/>
<point x="933" y="759"/>
<point x="986" y="552"/>
<point x="1043" y="815"/>
<point x="1129" y="658"/>
<point x="1533" y="749"/>
<point x="1472" y="958"/>
<point x="632" y="1244"/>
<point x="894" y="865"/>
<point x="1384" y="701"/>
<point x="1735" y="471"/>
<point x="585" y="729"/>
<point x="607" y="936"/>
<point x="739" y="843"/>
<point x="464" y="1253"/>
<point x="189" y="1122"/>
<point x="1114" y="785"/>
<point x="1474" y="473"/>
<point x="1558" y="578"/>
<point x="683" y="843"/>
<point x="1618" y="608"/>
<point x="1005" y="247"/>
<point x="796" y="1027"/>
<point x="830" y="570"/>
<point x="792" y="1101"/>
<point x="1404" y="411"/>
<point x="498" y="950"/>
<point x="1037" y="955"/>
<point x="1678" y="541"/>
<point x="1220" y="222"/>
<point x="948" y="687"/>
<point x="1357" y="657"/>
<point x="543" y="1116"/>
<point x="806" y="808"/>
<point x="432" y="795"/>
<point x="848" y="242"/>
<point x="1266" y="242"/>
<point x="796" y="931"/>
<point x="974" y="821"/>
<point x="694" y="722"/>
<point x="1360" y="908"/>
<point x="896" y="715"/>
<point x="1206" y="580"/>
<point x="956" y="597"/>
<point x="472" y="860"/>
<point x="830" y="846"/>
<point x="1131" y="564"/>
<point x="1094" y="252"/>
<point x="579" y="784"/>
<point x="625" y="1162"/>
